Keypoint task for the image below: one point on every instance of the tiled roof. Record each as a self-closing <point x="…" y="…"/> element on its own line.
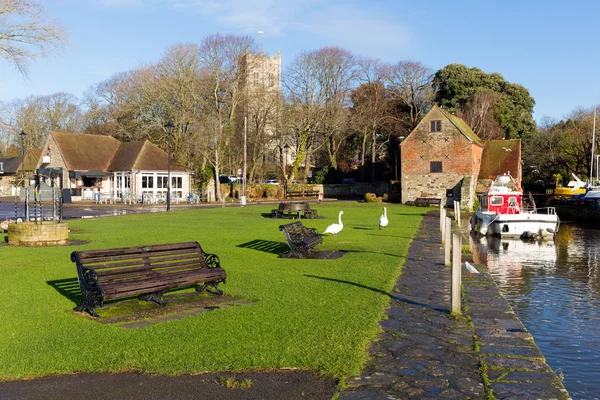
<point x="500" y="156"/>
<point x="462" y="126"/>
<point x="82" y="152"/>
<point x="141" y="156"/>
<point x="11" y="165"/>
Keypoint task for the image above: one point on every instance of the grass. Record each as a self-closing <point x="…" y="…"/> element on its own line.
<point x="306" y="314"/>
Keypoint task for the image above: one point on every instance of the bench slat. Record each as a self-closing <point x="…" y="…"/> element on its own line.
<point x="98" y="260"/>
<point x="136" y="249"/>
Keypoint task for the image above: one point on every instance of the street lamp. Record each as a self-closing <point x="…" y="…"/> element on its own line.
<point x="286" y="148"/>
<point x="22" y="138"/>
<point x="169" y="128"/>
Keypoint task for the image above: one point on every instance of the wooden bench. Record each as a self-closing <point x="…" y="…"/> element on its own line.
<point x="427" y="201"/>
<point x="300" y="239"/>
<point x="302" y="193"/>
<point x="146" y="271"/>
<point x="294" y="210"/>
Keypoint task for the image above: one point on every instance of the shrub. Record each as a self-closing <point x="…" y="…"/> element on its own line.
<point x="372" y="198"/>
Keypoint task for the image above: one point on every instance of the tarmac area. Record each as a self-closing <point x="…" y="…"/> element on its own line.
<point x="422" y="353"/>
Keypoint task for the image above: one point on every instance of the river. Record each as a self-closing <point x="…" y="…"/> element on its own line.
<point x="554" y="288"/>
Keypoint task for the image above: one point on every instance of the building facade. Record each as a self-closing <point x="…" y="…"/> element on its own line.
<point x="96" y="164"/>
<point x="441" y="158"/>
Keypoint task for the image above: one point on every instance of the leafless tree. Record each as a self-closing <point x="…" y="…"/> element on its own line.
<point x="478" y="113"/>
<point x="26" y="33"/>
<point x="410" y="83"/>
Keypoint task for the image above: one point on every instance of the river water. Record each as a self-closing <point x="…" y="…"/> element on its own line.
<point x="554" y="288"/>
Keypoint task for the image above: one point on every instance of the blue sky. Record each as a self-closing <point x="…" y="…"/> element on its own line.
<point x="550" y="47"/>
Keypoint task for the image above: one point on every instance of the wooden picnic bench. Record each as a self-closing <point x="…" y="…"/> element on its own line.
<point x="300" y="239"/>
<point x="427" y="201"/>
<point x="146" y="271"/>
<point x="294" y="210"/>
<point x="302" y="193"/>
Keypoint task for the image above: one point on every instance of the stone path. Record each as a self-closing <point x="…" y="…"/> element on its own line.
<point x="425" y="353"/>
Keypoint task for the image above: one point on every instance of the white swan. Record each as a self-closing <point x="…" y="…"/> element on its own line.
<point x="335" y="228"/>
<point x="383" y="220"/>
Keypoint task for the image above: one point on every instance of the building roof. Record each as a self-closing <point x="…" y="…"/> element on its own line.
<point x="462" y="126"/>
<point x="11" y="165"/>
<point x="141" y="156"/>
<point x="500" y="156"/>
<point x="82" y="152"/>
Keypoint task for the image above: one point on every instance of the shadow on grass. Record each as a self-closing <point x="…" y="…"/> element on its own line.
<point x="374" y="252"/>
<point x="266" y="246"/>
<point x="67" y="287"/>
<point x="393" y="297"/>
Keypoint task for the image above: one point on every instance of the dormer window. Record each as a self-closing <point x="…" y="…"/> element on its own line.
<point x="435" y="126"/>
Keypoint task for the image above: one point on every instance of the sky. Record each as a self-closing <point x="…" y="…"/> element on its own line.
<point x="549" y="47"/>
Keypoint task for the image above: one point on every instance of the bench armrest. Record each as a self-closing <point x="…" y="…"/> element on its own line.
<point x="212" y="260"/>
<point x="313" y="231"/>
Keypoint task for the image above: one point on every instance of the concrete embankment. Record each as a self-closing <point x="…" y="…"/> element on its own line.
<point x="425" y="353"/>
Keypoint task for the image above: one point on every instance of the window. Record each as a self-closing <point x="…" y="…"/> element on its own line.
<point x="497" y="200"/>
<point x="271" y="80"/>
<point x="435" y="166"/>
<point x="436" y="126"/>
<point x="176" y="182"/>
<point x="147" y="182"/>
<point x="161" y="182"/>
<point x="255" y="79"/>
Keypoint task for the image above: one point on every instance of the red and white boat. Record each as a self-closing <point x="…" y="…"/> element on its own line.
<point x="502" y="213"/>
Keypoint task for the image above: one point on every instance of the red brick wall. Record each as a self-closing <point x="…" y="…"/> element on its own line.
<point x="458" y="155"/>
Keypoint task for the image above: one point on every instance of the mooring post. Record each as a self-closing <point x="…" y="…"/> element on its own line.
<point x="442" y="218"/>
<point x="448" y="241"/>
<point x="456" y="273"/>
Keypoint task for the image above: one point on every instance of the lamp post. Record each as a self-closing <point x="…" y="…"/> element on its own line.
<point x="169" y="128"/>
<point x="286" y="148"/>
<point x="22" y="138"/>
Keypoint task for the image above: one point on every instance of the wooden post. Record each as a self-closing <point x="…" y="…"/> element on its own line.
<point x="458" y="213"/>
<point x="442" y="217"/>
<point x="456" y="273"/>
<point x="447" y="241"/>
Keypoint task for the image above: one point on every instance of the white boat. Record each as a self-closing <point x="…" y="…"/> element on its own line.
<point x="502" y="213"/>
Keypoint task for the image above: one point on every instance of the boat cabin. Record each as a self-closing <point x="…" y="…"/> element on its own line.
<point x="503" y="200"/>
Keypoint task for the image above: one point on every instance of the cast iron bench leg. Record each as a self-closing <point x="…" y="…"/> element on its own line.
<point x="156" y="297"/>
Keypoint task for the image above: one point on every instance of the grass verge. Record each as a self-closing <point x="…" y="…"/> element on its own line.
<point x="307" y="314"/>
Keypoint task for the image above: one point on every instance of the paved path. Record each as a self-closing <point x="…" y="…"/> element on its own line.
<point x="424" y="353"/>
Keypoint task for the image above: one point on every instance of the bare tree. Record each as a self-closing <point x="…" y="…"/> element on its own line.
<point x="478" y="113"/>
<point x="318" y="86"/>
<point x="410" y="83"/>
<point x="26" y="33"/>
<point x="371" y="107"/>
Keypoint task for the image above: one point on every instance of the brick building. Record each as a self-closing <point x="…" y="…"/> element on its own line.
<point x="441" y="158"/>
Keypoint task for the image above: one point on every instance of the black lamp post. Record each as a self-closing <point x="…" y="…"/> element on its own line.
<point x="22" y="138"/>
<point x="286" y="148"/>
<point x="169" y="128"/>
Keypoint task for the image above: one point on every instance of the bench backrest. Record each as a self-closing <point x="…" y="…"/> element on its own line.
<point x="130" y="263"/>
<point x="296" y="231"/>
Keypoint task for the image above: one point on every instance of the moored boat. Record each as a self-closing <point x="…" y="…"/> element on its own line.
<point x="502" y="213"/>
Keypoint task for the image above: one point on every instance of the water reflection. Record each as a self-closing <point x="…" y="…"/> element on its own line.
<point x="554" y="288"/>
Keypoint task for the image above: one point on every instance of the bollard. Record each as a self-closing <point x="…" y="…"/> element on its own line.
<point x="456" y="273"/>
<point x="448" y="242"/>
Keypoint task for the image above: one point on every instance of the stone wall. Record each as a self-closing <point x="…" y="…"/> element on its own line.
<point x="38" y="234"/>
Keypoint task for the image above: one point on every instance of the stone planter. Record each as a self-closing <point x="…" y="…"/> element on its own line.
<point x="47" y="233"/>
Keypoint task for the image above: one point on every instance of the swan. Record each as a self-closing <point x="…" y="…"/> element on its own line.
<point x="383" y="220"/>
<point x="472" y="270"/>
<point x="335" y="228"/>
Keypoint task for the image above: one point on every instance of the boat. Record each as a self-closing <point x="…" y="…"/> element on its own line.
<point x="502" y="213"/>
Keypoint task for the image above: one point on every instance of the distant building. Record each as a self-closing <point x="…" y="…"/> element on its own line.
<point x="89" y="164"/>
<point x="12" y="171"/>
<point x="443" y="158"/>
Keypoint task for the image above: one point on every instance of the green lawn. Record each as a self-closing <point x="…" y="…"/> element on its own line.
<point x="310" y="314"/>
